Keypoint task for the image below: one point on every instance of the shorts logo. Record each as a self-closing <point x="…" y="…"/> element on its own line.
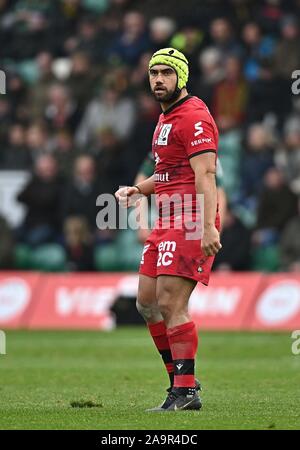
<point x="166" y="251"/>
<point x="164" y="134"/>
<point x="144" y="251"/>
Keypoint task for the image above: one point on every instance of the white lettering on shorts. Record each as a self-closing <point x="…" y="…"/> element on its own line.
<point x="146" y="247"/>
<point x="166" y="251"/>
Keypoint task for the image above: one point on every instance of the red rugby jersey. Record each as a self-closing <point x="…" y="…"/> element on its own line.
<point x="185" y="130"/>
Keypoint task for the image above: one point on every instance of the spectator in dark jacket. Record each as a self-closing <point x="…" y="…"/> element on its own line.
<point x="6" y="245"/>
<point x="42" y="197"/>
<point x="235" y="253"/>
<point x="82" y="192"/>
<point x="257" y="159"/>
<point x="78" y="245"/>
<point x="277" y="204"/>
<point x="290" y="244"/>
<point x="287" y="56"/>
<point x="133" y="41"/>
<point x="61" y="111"/>
<point x="16" y="155"/>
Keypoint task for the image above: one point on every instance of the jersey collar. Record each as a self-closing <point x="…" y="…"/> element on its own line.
<point x="184" y="99"/>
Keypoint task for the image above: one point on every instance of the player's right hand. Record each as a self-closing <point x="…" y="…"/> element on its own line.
<point x="210" y="243"/>
<point x="127" y="196"/>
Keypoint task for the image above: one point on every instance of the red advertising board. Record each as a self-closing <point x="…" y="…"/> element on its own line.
<point x="226" y="302"/>
<point x="17" y="296"/>
<point x="70" y="301"/>
<point x="232" y="301"/>
<point x="277" y="307"/>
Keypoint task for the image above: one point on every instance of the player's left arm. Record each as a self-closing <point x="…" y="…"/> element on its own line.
<point x="204" y="167"/>
<point x="200" y="136"/>
<point x="222" y="198"/>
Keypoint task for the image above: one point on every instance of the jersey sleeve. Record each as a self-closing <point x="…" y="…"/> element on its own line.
<point x="198" y="134"/>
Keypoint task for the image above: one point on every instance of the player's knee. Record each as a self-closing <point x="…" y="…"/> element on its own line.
<point x="142" y="309"/>
<point x="146" y="310"/>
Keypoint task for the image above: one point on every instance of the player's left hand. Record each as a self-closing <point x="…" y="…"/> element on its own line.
<point x="210" y="243"/>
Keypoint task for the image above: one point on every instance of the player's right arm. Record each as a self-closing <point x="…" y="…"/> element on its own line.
<point x="127" y="195"/>
<point x="146" y="170"/>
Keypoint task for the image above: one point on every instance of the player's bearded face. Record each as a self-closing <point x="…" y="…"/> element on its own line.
<point x="163" y="83"/>
<point x="163" y="94"/>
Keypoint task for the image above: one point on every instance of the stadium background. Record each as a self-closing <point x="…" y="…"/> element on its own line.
<point x="77" y="85"/>
<point x="76" y="120"/>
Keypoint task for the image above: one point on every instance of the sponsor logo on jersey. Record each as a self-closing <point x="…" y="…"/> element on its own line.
<point x="201" y="141"/>
<point x="164" y="134"/>
<point x="161" y="177"/>
<point x="199" y="128"/>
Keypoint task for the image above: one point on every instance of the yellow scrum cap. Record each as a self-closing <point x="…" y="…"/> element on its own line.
<point x="175" y="59"/>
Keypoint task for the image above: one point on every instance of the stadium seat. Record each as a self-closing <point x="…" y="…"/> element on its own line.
<point x="107" y="258"/>
<point x="96" y="6"/>
<point x="126" y="238"/>
<point x="22" y="257"/>
<point x="28" y="70"/>
<point x="122" y="255"/>
<point x="47" y="258"/>
<point x="230" y="154"/>
<point x="266" y="259"/>
<point x="130" y="249"/>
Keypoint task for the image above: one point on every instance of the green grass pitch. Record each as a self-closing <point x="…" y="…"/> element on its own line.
<point x="106" y="380"/>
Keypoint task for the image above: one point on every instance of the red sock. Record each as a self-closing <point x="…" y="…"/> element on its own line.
<point x="158" y="332"/>
<point x="183" y="342"/>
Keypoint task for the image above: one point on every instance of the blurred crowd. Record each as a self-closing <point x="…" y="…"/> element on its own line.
<point x="78" y="115"/>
